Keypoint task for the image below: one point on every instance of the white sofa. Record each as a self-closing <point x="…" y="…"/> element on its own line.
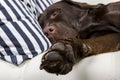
<point x="93" y="1"/>
<point x="98" y="67"/>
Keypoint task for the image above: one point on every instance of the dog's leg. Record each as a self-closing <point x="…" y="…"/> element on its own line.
<point x="61" y="57"/>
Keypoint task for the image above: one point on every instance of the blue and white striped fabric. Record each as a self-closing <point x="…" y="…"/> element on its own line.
<point x="21" y="36"/>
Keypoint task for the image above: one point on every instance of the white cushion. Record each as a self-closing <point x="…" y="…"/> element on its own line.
<point x="93" y="1"/>
<point x="99" y="67"/>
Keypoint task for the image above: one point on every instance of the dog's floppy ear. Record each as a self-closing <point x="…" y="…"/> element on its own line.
<point x="97" y="11"/>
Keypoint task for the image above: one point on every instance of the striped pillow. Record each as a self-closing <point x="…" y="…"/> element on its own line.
<point x="21" y="36"/>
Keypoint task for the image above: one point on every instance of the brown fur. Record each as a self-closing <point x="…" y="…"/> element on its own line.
<point x="79" y="30"/>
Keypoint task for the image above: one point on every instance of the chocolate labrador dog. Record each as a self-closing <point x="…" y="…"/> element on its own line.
<point x="78" y="30"/>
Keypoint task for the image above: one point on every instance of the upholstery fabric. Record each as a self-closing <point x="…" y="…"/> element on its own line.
<point x="21" y="36"/>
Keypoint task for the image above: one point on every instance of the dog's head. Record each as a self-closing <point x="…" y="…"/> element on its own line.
<point x="68" y="19"/>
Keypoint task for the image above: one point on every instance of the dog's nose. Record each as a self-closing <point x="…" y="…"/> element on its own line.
<point x="48" y="30"/>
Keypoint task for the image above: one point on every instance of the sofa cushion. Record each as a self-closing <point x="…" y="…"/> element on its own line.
<point x="21" y="36"/>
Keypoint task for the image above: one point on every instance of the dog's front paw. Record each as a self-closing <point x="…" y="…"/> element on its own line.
<point x="59" y="59"/>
